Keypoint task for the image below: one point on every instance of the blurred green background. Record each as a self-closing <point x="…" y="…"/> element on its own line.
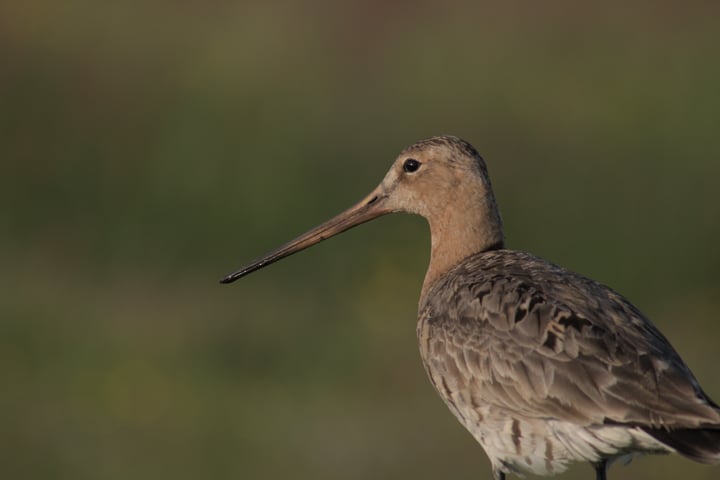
<point x="149" y="148"/>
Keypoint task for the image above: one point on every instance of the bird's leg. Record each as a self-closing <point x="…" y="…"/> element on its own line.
<point x="601" y="469"/>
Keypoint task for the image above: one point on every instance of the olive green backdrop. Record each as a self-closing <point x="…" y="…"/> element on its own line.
<point x="149" y="148"/>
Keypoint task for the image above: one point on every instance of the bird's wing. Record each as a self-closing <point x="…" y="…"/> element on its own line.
<point x="547" y="343"/>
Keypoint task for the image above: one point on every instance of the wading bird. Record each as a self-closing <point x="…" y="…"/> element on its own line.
<point x="543" y="366"/>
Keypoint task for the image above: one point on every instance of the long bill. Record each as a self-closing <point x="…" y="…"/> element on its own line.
<point x="370" y="207"/>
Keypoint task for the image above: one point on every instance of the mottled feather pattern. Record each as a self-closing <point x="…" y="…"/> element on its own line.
<point x="520" y="338"/>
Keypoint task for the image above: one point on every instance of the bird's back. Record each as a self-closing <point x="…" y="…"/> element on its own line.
<point x="545" y="366"/>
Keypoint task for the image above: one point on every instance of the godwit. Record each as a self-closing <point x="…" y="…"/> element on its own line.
<point x="543" y="366"/>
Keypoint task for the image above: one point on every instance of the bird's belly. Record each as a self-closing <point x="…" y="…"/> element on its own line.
<point x="546" y="446"/>
<point x="520" y="443"/>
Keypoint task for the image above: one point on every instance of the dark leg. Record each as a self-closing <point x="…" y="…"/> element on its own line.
<point x="601" y="470"/>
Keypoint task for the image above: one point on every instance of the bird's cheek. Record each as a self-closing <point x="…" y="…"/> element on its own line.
<point x="407" y="202"/>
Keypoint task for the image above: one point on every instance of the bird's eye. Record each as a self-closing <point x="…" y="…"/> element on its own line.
<point x="411" y="165"/>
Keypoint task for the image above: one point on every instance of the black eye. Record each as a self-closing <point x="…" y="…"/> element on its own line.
<point x="411" y="165"/>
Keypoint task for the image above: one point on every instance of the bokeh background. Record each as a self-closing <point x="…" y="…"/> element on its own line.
<point x="148" y="148"/>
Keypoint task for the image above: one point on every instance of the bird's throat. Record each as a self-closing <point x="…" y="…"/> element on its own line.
<point x="457" y="234"/>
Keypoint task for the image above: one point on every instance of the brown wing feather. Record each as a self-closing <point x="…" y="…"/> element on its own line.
<point x="535" y="339"/>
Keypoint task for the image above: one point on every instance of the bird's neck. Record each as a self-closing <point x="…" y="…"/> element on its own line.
<point x="457" y="233"/>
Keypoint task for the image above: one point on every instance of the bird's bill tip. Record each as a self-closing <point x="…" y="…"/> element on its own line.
<point x="230" y="278"/>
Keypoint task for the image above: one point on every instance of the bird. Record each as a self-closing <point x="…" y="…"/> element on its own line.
<point x="543" y="366"/>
